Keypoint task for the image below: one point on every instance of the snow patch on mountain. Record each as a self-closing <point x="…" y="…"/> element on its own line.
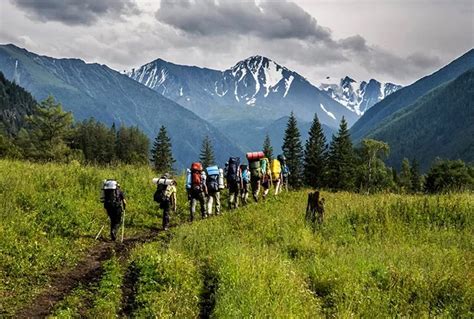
<point x="327" y="112"/>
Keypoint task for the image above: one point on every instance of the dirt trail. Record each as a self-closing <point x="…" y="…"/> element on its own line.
<point x="88" y="270"/>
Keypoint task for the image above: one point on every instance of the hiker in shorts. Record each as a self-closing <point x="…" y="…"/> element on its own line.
<point x="244" y="193"/>
<point x="214" y="182"/>
<point x="165" y="196"/>
<point x="114" y="203"/>
<point x="234" y="181"/>
<point x="198" y="190"/>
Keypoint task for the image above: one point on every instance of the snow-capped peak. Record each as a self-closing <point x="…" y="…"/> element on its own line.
<point x="359" y="96"/>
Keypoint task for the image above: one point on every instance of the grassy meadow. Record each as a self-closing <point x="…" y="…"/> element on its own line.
<point x="381" y="255"/>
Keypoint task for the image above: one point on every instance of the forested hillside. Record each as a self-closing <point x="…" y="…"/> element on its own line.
<point x="406" y="96"/>
<point x="15" y="104"/>
<point x="439" y="124"/>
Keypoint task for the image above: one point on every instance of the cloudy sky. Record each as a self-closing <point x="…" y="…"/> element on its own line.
<point x="390" y="40"/>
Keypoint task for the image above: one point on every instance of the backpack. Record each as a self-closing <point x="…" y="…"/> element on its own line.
<point x="245" y="173"/>
<point x="196" y="176"/>
<point x="255" y="170"/>
<point x="275" y="167"/>
<point x="264" y="165"/>
<point x="213" y="178"/>
<point x="285" y="170"/>
<point x="110" y="194"/>
<point x="233" y="170"/>
<point x="160" y="195"/>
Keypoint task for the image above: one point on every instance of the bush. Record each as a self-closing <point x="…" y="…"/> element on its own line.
<point x="445" y="176"/>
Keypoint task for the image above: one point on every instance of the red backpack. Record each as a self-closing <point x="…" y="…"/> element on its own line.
<point x="196" y="176"/>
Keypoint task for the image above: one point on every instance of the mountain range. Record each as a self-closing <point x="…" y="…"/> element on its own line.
<point x="359" y="96"/>
<point x="237" y="107"/>
<point x="93" y="90"/>
<point x="254" y="88"/>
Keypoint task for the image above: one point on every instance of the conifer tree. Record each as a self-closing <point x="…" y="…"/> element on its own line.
<point x="416" y="182"/>
<point x="293" y="151"/>
<point x="315" y="155"/>
<point x="207" y="153"/>
<point x="405" y="176"/>
<point x="267" y="147"/>
<point x="132" y="145"/>
<point x="341" y="160"/>
<point x="161" y="153"/>
<point x="48" y="132"/>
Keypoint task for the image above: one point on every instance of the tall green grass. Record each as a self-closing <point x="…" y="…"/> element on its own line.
<point x="374" y="256"/>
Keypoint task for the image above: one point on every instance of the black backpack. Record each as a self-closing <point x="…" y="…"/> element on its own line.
<point x="160" y="193"/>
<point x="111" y="198"/>
<point x="233" y="170"/>
<point x="213" y="183"/>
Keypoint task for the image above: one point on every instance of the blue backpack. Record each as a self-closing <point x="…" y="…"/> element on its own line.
<point x="245" y="175"/>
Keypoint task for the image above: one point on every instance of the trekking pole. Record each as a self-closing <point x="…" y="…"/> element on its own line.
<point x="123" y="225"/>
<point x="100" y="231"/>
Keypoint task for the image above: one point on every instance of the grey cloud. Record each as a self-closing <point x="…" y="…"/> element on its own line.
<point x="424" y="61"/>
<point x="268" y="20"/>
<point x="73" y="12"/>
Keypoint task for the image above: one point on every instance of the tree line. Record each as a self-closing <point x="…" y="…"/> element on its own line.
<point x="339" y="165"/>
<point x="50" y="134"/>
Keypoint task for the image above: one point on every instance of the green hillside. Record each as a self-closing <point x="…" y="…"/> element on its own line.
<point x="381" y="255"/>
<point x="439" y="124"/>
<point x="406" y="96"/>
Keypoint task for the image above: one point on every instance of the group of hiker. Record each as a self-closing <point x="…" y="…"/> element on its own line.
<point x="204" y="187"/>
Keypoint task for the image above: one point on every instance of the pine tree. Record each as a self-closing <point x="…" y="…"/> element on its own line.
<point x="315" y="155"/>
<point x="207" y="153"/>
<point x="48" y="132"/>
<point x="415" y="176"/>
<point x="267" y="147"/>
<point x="161" y="153"/>
<point x="405" y="176"/>
<point x="341" y="160"/>
<point x="293" y="151"/>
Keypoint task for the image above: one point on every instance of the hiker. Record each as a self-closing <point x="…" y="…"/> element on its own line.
<point x="244" y="193"/>
<point x="215" y="183"/>
<point x="275" y="168"/>
<point x="255" y="172"/>
<point x="234" y="181"/>
<point x="285" y="171"/>
<point x="165" y="196"/>
<point x="197" y="190"/>
<point x="266" y="176"/>
<point x="114" y="203"/>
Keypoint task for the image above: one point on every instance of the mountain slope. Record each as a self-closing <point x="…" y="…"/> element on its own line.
<point x="359" y="96"/>
<point x="93" y="90"/>
<point x="439" y="124"/>
<point x="407" y="95"/>
<point x="15" y="104"/>
<point x="256" y="87"/>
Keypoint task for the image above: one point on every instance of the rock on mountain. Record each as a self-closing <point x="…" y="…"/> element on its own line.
<point x="256" y="87"/>
<point x="406" y="96"/>
<point x="359" y="96"/>
<point x="438" y="124"/>
<point x="93" y="90"/>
